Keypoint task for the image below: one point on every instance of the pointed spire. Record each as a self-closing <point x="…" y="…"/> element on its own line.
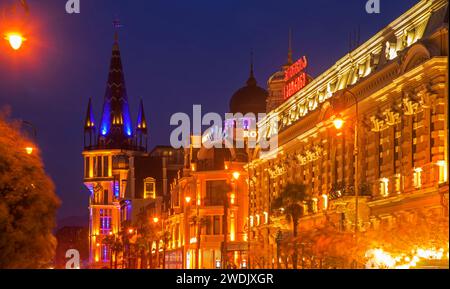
<point x="89" y="122"/>
<point x="290" y="58"/>
<point x="116" y="126"/>
<point x="141" y="121"/>
<point x="251" y="80"/>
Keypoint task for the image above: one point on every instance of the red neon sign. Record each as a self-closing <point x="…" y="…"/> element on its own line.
<point x="295" y="78"/>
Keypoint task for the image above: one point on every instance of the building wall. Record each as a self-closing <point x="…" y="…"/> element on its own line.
<point x="183" y="222"/>
<point x="400" y="81"/>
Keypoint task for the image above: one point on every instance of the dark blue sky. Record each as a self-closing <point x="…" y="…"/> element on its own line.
<point x="175" y="54"/>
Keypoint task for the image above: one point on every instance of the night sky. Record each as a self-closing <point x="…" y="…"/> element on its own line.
<point x="175" y="54"/>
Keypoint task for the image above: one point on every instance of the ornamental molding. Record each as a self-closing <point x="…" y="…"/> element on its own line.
<point x="391" y="117"/>
<point x="310" y="155"/>
<point x="276" y="171"/>
<point x="410" y="106"/>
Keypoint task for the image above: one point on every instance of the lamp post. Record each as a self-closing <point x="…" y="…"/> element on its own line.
<point x="15" y="38"/>
<point x="29" y="149"/>
<point x="338" y="123"/>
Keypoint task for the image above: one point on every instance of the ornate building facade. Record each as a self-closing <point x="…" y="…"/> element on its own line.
<point x="395" y="88"/>
<point x="208" y="220"/>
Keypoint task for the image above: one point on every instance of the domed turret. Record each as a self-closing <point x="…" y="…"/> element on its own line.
<point x="250" y="98"/>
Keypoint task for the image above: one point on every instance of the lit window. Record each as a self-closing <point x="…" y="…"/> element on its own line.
<point x="314" y="205"/>
<point x="325" y="201"/>
<point x="398" y="183"/>
<point x="443" y="173"/>
<point x="384" y="187"/>
<point x="149" y="188"/>
<point x="232" y="198"/>
<point x="251" y="221"/>
<point x="105" y="221"/>
<point x="417" y="178"/>
<point x="258" y="220"/>
<point x="266" y="218"/>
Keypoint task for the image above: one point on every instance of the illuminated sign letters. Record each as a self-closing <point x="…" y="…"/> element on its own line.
<point x="295" y="77"/>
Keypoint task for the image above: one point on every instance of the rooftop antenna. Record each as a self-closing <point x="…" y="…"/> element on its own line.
<point x="117" y="25"/>
<point x="290" y="60"/>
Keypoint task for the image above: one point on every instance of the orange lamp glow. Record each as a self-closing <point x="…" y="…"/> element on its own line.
<point x="130" y="231"/>
<point x="155" y="219"/>
<point x="15" y="40"/>
<point x="236" y="175"/>
<point x="188" y="199"/>
<point x="338" y="122"/>
<point x="29" y="150"/>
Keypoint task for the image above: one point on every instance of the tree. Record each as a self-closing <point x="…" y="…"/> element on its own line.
<point x="28" y="203"/>
<point x="290" y="202"/>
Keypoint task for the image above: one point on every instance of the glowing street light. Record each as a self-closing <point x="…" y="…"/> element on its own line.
<point x="236" y="175"/>
<point x="29" y="150"/>
<point x="338" y="122"/>
<point x="155" y="219"/>
<point x="15" y="40"/>
<point x="187" y="199"/>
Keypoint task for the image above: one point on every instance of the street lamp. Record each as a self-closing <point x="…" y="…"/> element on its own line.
<point x="187" y="199"/>
<point x="236" y="175"/>
<point x="15" y="40"/>
<point x="155" y="220"/>
<point x="339" y="123"/>
<point x="29" y="149"/>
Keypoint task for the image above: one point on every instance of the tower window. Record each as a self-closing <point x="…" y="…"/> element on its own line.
<point x="87" y="167"/>
<point x="106" y="166"/>
<point x="105" y="221"/>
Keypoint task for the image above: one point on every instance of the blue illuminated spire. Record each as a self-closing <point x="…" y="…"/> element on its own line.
<point x="141" y="121"/>
<point x="141" y="127"/>
<point x="115" y="128"/>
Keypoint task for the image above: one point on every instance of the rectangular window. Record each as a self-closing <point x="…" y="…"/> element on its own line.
<point x="95" y="166"/>
<point x="384" y="187"/>
<point x="443" y="173"/>
<point x="149" y="188"/>
<point x="105" y="221"/>
<point x="216" y="225"/>
<point x="106" y="166"/>
<point x="87" y="167"/>
<point x="398" y="183"/>
<point x="208" y="224"/>
<point x="105" y="253"/>
<point x="214" y="193"/>
<point x="417" y="178"/>
<point x="99" y="166"/>
<point x="105" y="197"/>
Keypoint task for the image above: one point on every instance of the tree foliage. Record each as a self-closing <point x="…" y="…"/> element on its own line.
<point x="28" y="203"/>
<point x="291" y="201"/>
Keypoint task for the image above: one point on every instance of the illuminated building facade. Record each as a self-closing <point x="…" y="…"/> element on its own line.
<point x="123" y="179"/>
<point x="399" y="79"/>
<point x="208" y="220"/>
